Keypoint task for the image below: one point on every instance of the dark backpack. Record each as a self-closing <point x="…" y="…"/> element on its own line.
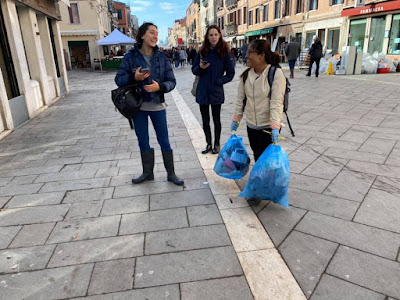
<point x="271" y="76"/>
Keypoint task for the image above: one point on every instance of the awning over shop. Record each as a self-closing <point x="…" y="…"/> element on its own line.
<point x="371" y="9"/>
<point x="116" y="38"/>
<point x="260" y="31"/>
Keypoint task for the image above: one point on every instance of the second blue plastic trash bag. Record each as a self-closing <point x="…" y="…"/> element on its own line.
<point x="269" y="178"/>
<point x="233" y="161"/>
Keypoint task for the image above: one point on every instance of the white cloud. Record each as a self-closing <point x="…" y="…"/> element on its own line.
<point x="168" y="6"/>
<point x="142" y="3"/>
<point x="138" y="8"/>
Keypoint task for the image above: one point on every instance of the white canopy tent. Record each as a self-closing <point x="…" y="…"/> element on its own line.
<point x="116" y="38"/>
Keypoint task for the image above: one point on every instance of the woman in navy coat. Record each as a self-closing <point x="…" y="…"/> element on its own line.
<point x="214" y="65"/>
<point x="149" y="67"/>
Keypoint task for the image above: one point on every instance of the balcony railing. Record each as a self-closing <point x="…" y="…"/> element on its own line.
<point x="231" y="28"/>
<point x="230" y="3"/>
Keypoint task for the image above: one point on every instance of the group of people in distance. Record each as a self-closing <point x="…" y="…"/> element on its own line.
<point x="215" y="67"/>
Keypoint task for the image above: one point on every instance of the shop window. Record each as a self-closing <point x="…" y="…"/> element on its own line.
<point x="313" y="4"/>
<point x="257" y="11"/>
<point x="300" y="6"/>
<point x="250" y="17"/>
<point x="277" y="9"/>
<point x="334" y="2"/>
<point x="73" y="11"/>
<point x="288" y="7"/>
<point x="333" y="40"/>
<point x="265" y="14"/>
<point x="394" y="43"/>
<point x="357" y="34"/>
<point x="6" y="63"/>
<point x="377" y="34"/>
<point x="321" y="36"/>
<point x="309" y="38"/>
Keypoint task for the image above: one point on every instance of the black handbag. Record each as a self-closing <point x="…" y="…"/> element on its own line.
<point x="127" y="100"/>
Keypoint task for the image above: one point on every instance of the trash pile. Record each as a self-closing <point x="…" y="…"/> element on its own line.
<point x="378" y="63"/>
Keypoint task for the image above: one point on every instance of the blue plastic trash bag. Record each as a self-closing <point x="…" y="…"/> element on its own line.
<point x="233" y="161"/>
<point x="269" y="178"/>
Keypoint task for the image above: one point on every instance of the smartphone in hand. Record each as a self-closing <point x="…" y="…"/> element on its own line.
<point x="144" y="70"/>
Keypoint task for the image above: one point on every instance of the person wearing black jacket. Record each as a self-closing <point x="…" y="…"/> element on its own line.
<point x="316" y="54"/>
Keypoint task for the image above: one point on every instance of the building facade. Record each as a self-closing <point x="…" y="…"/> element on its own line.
<point x="29" y="80"/>
<point x="193" y="24"/>
<point x="83" y="24"/>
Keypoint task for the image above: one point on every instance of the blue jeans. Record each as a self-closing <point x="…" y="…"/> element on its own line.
<point x="159" y="120"/>
<point x="291" y="64"/>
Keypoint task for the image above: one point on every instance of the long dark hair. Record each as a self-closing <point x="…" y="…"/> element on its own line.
<point x="222" y="46"/>
<point x="263" y="47"/>
<point x="142" y="30"/>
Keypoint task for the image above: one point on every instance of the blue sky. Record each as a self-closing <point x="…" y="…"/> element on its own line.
<point x="162" y="13"/>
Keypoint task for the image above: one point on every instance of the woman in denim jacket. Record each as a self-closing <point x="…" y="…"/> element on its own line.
<point x="154" y="82"/>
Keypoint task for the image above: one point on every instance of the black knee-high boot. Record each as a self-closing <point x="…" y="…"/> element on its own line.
<point x="169" y="166"/>
<point x="148" y="166"/>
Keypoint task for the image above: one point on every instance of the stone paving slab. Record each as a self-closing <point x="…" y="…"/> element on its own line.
<point x="186" y="239"/>
<point x="181" y="199"/>
<point x="59" y="283"/>
<point x="390" y="185"/>
<point x="153" y="221"/>
<point x="204" y="215"/>
<point x="186" y="266"/>
<point x="97" y="250"/>
<point x="112" y="276"/>
<point x="332" y="206"/>
<point x="232" y="288"/>
<point x="332" y="288"/>
<point x="366" y="238"/>
<point x="3" y="201"/>
<point x="88" y="195"/>
<point x="350" y="185"/>
<point x="7" y="234"/>
<point x="36" y="199"/>
<point x="32" y="215"/>
<point x="307" y="257"/>
<point x="25" y="259"/>
<point x="168" y="292"/>
<point x="125" y="205"/>
<point x="374" y="275"/>
<point x="32" y="235"/>
<point x="86" y="209"/>
<point x="76" y="230"/>
<point x="380" y="209"/>
<point x="11" y="190"/>
<point x="80" y="184"/>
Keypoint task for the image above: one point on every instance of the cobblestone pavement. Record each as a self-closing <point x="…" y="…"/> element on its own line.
<point x="341" y="235"/>
<point x="72" y="225"/>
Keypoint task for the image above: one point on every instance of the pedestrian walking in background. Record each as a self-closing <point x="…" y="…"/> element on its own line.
<point x="157" y="80"/>
<point x="192" y="54"/>
<point x="182" y="56"/>
<point x="213" y="64"/>
<point x="176" y="58"/>
<point x="292" y="52"/>
<point x="243" y="49"/>
<point x="316" y="54"/>
<point x="262" y="113"/>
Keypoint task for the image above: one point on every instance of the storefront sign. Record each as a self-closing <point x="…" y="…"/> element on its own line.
<point x="371" y="9"/>
<point x="260" y="31"/>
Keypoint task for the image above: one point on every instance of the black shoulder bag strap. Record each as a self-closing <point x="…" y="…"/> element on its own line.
<point x="131" y="124"/>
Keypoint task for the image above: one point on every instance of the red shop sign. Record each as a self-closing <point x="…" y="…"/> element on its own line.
<point x="180" y="41"/>
<point x="371" y="9"/>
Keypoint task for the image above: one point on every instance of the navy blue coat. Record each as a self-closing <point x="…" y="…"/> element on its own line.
<point x="210" y="88"/>
<point x="160" y="71"/>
